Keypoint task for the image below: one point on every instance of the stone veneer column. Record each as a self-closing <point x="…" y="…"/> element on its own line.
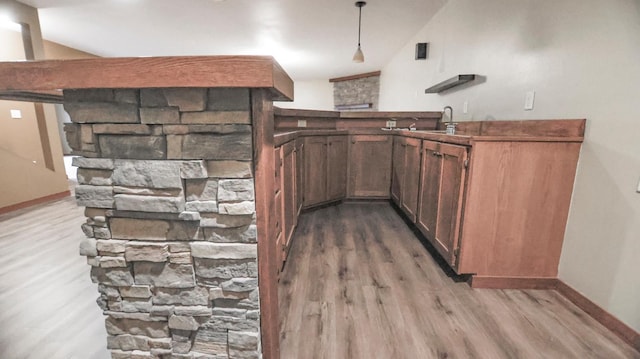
<point x="167" y="181"/>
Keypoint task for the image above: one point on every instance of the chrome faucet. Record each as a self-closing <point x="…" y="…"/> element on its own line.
<point x="451" y="127"/>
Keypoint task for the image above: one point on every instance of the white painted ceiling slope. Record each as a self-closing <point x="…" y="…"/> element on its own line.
<point x="310" y="39"/>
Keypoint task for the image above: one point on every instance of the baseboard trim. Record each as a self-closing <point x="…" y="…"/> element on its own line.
<point x="626" y="333"/>
<point x="33" y="202"/>
<point x="617" y="327"/>
<point x="512" y="282"/>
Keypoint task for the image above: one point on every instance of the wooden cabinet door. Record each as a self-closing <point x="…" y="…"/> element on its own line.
<point x="288" y="190"/>
<point x="411" y="177"/>
<point x="315" y="164"/>
<point x="452" y="182"/>
<point x="397" y="171"/>
<point x="430" y="190"/>
<point x="370" y="166"/>
<point x="299" y="175"/>
<point x="337" y="167"/>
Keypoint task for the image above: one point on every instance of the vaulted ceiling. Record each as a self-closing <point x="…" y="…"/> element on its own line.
<point x="310" y="39"/>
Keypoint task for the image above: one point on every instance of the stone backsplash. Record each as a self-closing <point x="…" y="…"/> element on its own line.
<point x="166" y="176"/>
<point x="357" y="91"/>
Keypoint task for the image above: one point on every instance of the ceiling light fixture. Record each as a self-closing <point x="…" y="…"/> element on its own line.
<point x="359" y="56"/>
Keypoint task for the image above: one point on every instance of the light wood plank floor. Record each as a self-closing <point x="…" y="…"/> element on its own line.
<point x="47" y="300"/>
<point x="359" y="284"/>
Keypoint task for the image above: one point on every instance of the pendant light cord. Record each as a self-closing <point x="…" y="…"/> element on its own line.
<point x="359" y="24"/>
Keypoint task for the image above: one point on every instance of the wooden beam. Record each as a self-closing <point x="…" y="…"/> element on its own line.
<point x="264" y="162"/>
<point x="355" y="77"/>
<point x="148" y="72"/>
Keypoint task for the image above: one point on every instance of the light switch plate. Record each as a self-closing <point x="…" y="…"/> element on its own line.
<point x="302" y="123"/>
<point x="16" y="114"/>
<point x="528" y="100"/>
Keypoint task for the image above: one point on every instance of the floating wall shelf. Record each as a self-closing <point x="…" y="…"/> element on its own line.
<point x="452" y="82"/>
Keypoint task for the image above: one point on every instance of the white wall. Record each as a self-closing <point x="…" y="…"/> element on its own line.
<point x="582" y="57"/>
<point x="311" y="95"/>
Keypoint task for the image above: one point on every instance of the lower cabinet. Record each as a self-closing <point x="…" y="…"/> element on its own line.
<point x="441" y="194"/>
<point x="406" y="174"/>
<point x="325" y="163"/>
<point x="369" y="166"/>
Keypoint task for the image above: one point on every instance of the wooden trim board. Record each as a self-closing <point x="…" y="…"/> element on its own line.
<point x="147" y="72"/>
<point x="33" y="202"/>
<point x="626" y="333"/>
<point x="615" y="325"/>
<point x="355" y="77"/>
<point x="268" y="259"/>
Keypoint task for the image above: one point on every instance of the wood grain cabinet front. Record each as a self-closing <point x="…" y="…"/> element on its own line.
<point x="441" y="194"/>
<point x="325" y="178"/>
<point x="370" y="166"/>
<point x="405" y="175"/>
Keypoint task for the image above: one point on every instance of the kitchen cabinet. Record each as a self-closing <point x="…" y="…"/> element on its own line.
<point x="279" y="214"/>
<point x="299" y="175"/>
<point x="370" y="166"/>
<point x="442" y="185"/>
<point x="288" y="191"/>
<point x="406" y="174"/>
<point x="325" y="165"/>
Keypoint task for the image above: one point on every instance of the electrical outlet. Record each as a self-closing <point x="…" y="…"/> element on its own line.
<point x="391" y="123"/>
<point x="528" y="100"/>
<point x="302" y="123"/>
<point x="16" y="114"/>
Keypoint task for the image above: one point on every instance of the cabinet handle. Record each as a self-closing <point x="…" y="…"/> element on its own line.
<point x="437" y="154"/>
<point x="354" y="142"/>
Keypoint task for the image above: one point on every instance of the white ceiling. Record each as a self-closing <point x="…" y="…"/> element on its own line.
<point x="310" y="39"/>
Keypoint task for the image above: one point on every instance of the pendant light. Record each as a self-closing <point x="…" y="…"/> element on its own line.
<point x="359" y="56"/>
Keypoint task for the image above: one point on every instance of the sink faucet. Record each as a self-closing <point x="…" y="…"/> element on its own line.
<point x="451" y="127"/>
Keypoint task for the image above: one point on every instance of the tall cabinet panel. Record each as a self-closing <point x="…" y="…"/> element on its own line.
<point x="370" y="166"/>
<point x="315" y="162"/>
<point x="336" y="167"/>
<point x="411" y="179"/>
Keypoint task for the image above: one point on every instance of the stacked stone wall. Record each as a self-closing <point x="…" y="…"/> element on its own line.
<point x="166" y="176"/>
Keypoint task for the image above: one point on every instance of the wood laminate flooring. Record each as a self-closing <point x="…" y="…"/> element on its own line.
<point x="359" y="284"/>
<point x="47" y="300"/>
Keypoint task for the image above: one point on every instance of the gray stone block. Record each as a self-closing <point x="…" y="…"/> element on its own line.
<point x="235" y="146"/>
<point x="111" y="276"/>
<point x="217" y="220"/>
<point x="210" y="340"/>
<point x="160" y="115"/>
<point x="128" y="342"/>
<point x="187" y="297"/>
<point x="122" y="129"/>
<point x="136" y="291"/>
<point x="99" y="112"/>
<point x="147" y="174"/>
<point x="194" y="311"/>
<point x="112" y="262"/>
<point x="233" y="190"/>
<point x="239" y="285"/>
<point x="154" y="230"/>
<point x="202" y="190"/>
<point x="89" y="95"/>
<point x="229" y="169"/>
<point x="202" y="206"/>
<point x="187" y="99"/>
<point x="244" y="234"/>
<point x="193" y="170"/>
<point x="102" y="232"/>
<point x="88" y="247"/>
<point x="189" y="216"/>
<point x="181" y="322"/>
<point x="225" y="269"/>
<point x="229" y="99"/>
<point x="152" y="98"/>
<point x="94" y="196"/>
<point x="96" y="163"/>
<point x="133" y="147"/>
<point x="164" y="275"/>
<point x="127" y="202"/>
<point x="223" y="250"/>
<point x="237" y="209"/>
<point x="243" y="341"/>
<point x="147" y="252"/>
<point x="127" y="96"/>
<point x="215" y="117"/>
<point x="94" y="177"/>
<point x="151" y="329"/>
<point x="111" y="246"/>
